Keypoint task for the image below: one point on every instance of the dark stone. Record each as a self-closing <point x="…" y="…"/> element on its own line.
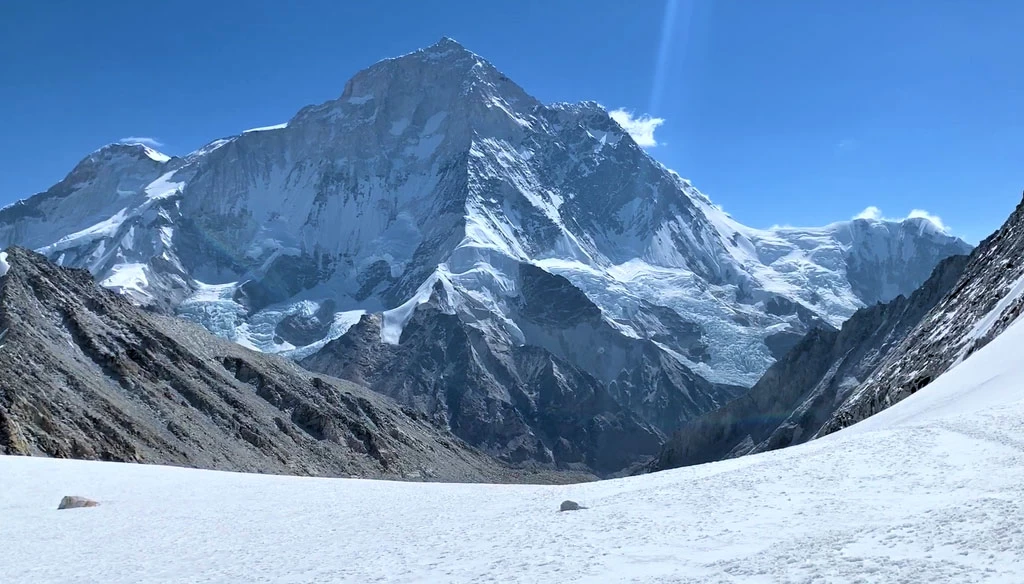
<point x="71" y="502"/>
<point x="570" y="506"/>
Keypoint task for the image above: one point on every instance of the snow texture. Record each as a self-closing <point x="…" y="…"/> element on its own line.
<point x="4" y="266"/>
<point x="927" y="491"/>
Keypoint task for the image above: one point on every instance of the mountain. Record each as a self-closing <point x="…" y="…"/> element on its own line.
<point x="801" y="392"/>
<point x="85" y="374"/>
<point x="882" y="355"/>
<point x="987" y="299"/>
<point x="516" y="402"/>
<point x="414" y="206"/>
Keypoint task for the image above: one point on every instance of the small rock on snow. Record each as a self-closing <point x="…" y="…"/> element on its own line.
<point x="70" y="502"/>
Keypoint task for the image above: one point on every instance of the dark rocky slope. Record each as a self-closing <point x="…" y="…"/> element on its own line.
<point x="982" y="304"/>
<point x="519" y="403"/>
<point x="800" y="393"/>
<point x="85" y="374"/>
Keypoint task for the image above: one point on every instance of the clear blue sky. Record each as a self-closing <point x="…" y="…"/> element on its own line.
<point x="793" y="112"/>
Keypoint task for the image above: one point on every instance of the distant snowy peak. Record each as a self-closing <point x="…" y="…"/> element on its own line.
<point x="875" y="260"/>
<point x="985" y="302"/>
<point x="136" y="150"/>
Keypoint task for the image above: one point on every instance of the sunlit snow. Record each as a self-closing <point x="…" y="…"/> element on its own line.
<point x="128" y="279"/>
<point x="927" y="491"/>
<point x="267" y="128"/>
<point x="156" y="155"/>
<point x="163" y="187"/>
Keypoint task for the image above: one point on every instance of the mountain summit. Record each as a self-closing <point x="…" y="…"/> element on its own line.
<point x="564" y="263"/>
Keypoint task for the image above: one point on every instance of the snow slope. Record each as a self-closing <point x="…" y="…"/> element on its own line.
<point x="927" y="491"/>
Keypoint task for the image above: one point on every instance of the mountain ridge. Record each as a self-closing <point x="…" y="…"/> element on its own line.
<point x="85" y="374"/>
<point x="282" y="238"/>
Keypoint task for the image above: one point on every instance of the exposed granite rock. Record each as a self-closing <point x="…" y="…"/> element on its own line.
<point x="639" y="374"/>
<point x="301" y="329"/>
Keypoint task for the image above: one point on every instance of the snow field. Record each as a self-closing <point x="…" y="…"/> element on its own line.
<point x="927" y="491"/>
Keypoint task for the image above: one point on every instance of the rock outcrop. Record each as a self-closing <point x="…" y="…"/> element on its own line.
<point x="519" y="403"/>
<point x="72" y="502"/>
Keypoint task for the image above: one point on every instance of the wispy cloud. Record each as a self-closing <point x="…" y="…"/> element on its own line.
<point x="876" y="214"/>
<point x="151" y="142"/>
<point x="641" y="128"/>
<point x="871" y="212"/>
<point x="922" y="214"/>
<point x="847" y="144"/>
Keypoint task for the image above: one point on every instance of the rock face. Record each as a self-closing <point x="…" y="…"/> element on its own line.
<point x="519" y="403"/>
<point x="801" y="392"/>
<point x="85" y="374"/>
<point x="987" y="298"/>
<point x="70" y="502"/>
<point x="554" y="236"/>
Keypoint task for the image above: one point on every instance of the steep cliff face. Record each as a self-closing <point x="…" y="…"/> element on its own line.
<point x="85" y="374"/>
<point x="800" y="393"/>
<point x="988" y="297"/>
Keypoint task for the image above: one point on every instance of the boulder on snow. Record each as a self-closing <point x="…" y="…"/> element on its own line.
<point x="70" y="502"/>
<point x="570" y="506"/>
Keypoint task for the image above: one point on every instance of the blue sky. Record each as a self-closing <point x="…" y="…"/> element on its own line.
<point x="795" y="112"/>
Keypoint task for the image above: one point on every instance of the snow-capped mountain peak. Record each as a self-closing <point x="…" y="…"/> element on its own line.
<point x="392" y="199"/>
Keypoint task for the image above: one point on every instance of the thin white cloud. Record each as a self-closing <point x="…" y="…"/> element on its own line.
<point x="871" y="212"/>
<point x="847" y="144"/>
<point x="151" y="142"/>
<point x="922" y="214"/>
<point x="876" y="214"/>
<point x="641" y="128"/>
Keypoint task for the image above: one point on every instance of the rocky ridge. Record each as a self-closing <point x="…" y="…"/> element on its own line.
<point x="988" y="297"/>
<point x="86" y="374"/>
